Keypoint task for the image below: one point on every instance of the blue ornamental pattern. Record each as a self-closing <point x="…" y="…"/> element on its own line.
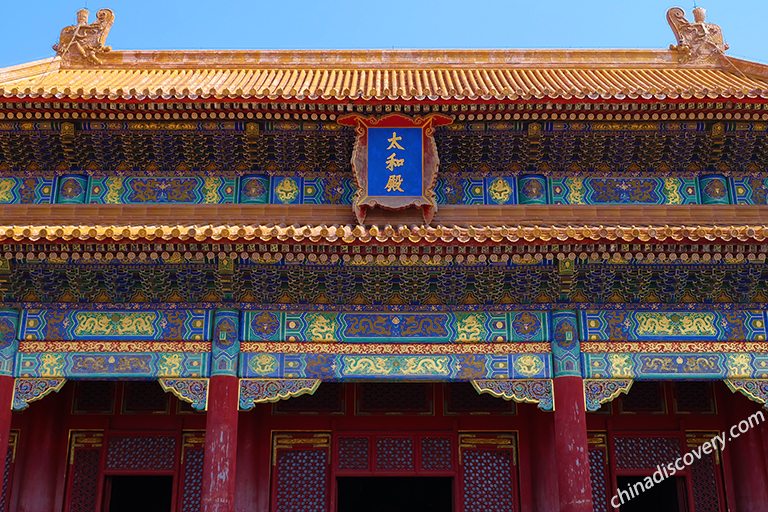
<point x="126" y="365"/>
<point x="620" y="190"/>
<point x="348" y="327"/>
<point x="26" y="190"/>
<point x="226" y="342"/>
<point x="163" y="190"/>
<point x="565" y="344"/>
<point x="450" y="367"/>
<point x="57" y="325"/>
<point x="9" y="322"/>
<point x="742" y="325"/>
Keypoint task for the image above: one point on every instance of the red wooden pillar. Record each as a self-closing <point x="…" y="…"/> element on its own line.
<point x="6" y="397"/>
<point x="220" y="445"/>
<point x="220" y="460"/>
<point x="9" y="322"/>
<point x="573" y="478"/>
<point x="42" y="462"/>
<point x="543" y="461"/>
<point x="750" y="479"/>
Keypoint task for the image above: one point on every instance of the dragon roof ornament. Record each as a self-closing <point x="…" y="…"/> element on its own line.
<point x="697" y="42"/>
<point x="84" y="41"/>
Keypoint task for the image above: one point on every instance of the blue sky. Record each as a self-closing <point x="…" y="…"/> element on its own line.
<point x="32" y="26"/>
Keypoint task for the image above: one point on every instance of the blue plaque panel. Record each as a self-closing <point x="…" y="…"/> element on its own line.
<point x="395" y="161"/>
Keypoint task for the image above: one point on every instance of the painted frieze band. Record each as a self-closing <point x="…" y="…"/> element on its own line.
<point x="742" y="325"/>
<point x="662" y="366"/>
<point x="335" y="187"/>
<point x="154" y="190"/>
<point x="56" y="325"/>
<point x="467" y="327"/>
<point x="624" y="190"/>
<point x="149" y="365"/>
<point x="333" y="345"/>
<point x="449" y="367"/>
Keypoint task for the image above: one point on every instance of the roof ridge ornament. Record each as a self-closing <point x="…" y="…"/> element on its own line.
<point x="697" y="42"/>
<point x="84" y="41"/>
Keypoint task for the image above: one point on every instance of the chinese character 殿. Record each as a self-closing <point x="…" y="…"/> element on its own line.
<point x="394" y="183"/>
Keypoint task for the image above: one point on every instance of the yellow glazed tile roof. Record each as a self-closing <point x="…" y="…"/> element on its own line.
<point x="386" y="234"/>
<point x="388" y="74"/>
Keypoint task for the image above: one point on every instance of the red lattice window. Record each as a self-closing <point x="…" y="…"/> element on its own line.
<point x="94" y="397"/>
<point x="462" y="397"/>
<point x="10" y="463"/>
<point x="394" y="453"/>
<point x="141" y="453"/>
<point x="489" y="482"/>
<point x="694" y="397"/>
<point x="436" y="454"/>
<point x="353" y="453"/>
<point x="301" y="480"/>
<point x="394" y="398"/>
<point x="327" y="399"/>
<point x="598" y="470"/>
<point x="83" y="477"/>
<point x="144" y="397"/>
<point x="645" y="452"/>
<point x="645" y="397"/>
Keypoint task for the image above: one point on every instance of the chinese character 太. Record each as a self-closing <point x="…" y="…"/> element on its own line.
<point x="393" y="142"/>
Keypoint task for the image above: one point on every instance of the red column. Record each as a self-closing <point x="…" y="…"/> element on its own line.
<point x="220" y="445"/>
<point x="41" y="467"/>
<point x="543" y="461"/>
<point x="573" y="478"/>
<point x="6" y="397"/>
<point x="750" y="481"/>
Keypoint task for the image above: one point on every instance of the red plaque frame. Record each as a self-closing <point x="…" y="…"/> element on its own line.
<point x="430" y="163"/>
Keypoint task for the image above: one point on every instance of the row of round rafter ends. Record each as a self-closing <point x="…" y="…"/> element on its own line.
<point x="399" y="94"/>
<point x="388" y="233"/>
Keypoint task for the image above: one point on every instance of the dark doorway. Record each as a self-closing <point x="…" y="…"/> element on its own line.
<point x="667" y="496"/>
<point x="145" y="493"/>
<point x="402" y="494"/>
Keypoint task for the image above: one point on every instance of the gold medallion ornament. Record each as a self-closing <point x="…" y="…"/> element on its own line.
<point x="500" y="191"/>
<point x="287" y="190"/>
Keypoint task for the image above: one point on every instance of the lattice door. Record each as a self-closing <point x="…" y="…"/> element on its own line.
<point x="599" y="471"/>
<point x="191" y="481"/>
<point x="84" y="487"/>
<point x="488" y="472"/>
<point x="10" y="464"/>
<point x="300" y="480"/>
<point x="706" y="476"/>
<point x="93" y="455"/>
